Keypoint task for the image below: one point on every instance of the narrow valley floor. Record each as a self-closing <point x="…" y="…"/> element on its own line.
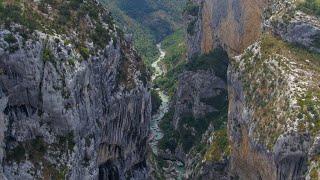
<point x="177" y="171"/>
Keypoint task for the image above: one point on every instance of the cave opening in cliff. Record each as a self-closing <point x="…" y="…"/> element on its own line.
<point x="108" y="171"/>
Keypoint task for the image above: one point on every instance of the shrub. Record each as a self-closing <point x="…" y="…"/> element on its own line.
<point x="17" y="154"/>
<point x="10" y="39"/>
<point x="191" y="9"/>
<point x="219" y="147"/>
<point x="311" y="7"/>
<point x="84" y="52"/>
<point x="170" y="139"/>
<point x="36" y="149"/>
<point x="100" y="36"/>
<point x="47" y="55"/>
<point x="191" y="27"/>
<point x="67" y="141"/>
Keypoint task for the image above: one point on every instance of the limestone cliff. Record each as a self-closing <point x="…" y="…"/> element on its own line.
<point x="73" y="92"/>
<point x="273" y="83"/>
<point x="231" y="24"/>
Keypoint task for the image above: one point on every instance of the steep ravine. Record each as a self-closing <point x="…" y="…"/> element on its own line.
<point x="156" y="132"/>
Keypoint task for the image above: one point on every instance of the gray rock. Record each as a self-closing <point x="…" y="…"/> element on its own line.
<point x="89" y="123"/>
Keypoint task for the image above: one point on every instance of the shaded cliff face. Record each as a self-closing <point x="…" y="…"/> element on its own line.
<point x="74" y="99"/>
<point x="231" y="24"/>
<point x="195" y="127"/>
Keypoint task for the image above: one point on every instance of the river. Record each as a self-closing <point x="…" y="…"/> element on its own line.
<point x="155" y="129"/>
<point x="156" y="132"/>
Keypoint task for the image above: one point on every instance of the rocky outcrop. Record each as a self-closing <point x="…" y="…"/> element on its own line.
<point x="72" y="106"/>
<point x="192" y="90"/>
<point x="272" y="84"/>
<point x="273" y="145"/>
<point x="232" y="24"/>
<point x="197" y="117"/>
<point x="300" y="28"/>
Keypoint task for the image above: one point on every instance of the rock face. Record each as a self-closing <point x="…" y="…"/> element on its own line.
<point x="197" y="118"/>
<point x="273" y="80"/>
<point x="299" y="29"/>
<point x="193" y="89"/>
<point x="231" y="24"/>
<point x="68" y="110"/>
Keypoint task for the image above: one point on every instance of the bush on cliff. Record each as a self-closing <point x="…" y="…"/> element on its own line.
<point x="311" y="7"/>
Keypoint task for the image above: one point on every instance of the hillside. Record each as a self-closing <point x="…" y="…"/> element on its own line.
<point x="150" y="21"/>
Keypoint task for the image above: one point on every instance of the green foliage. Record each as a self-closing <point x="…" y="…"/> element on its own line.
<point x="309" y="110"/>
<point x="36" y="149"/>
<point x="1" y="5"/>
<point x="67" y="141"/>
<point x="190" y="129"/>
<point x="150" y="21"/>
<point x="47" y="55"/>
<point x="17" y="154"/>
<point x="310" y="7"/>
<point x="191" y="27"/>
<point x="13" y="12"/>
<point x="175" y="48"/>
<point x="217" y="61"/>
<point x="219" y="147"/>
<point x="13" y="45"/>
<point x="191" y="9"/>
<point x="271" y="45"/>
<point x="145" y="44"/>
<point x="314" y="174"/>
<point x="66" y="17"/>
<point x="189" y="138"/>
<point x="85" y="53"/>
<point x="170" y="139"/>
<point x="156" y="101"/>
<point x="100" y="36"/>
<point x="10" y="39"/>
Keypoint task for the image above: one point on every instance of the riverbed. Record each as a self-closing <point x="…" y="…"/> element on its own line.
<point x="155" y="121"/>
<point x="177" y="169"/>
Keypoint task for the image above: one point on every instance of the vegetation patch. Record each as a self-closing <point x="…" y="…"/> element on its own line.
<point x="67" y="141"/>
<point x="47" y="55"/>
<point x="100" y="36"/>
<point x="10" y="38"/>
<point x="190" y="129"/>
<point x="170" y="138"/>
<point x="219" y="147"/>
<point x="84" y="52"/>
<point x="191" y="27"/>
<point x="61" y="17"/>
<point x="281" y="75"/>
<point x="17" y="154"/>
<point x="175" y="48"/>
<point x="310" y="7"/>
<point x="191" y="9"/>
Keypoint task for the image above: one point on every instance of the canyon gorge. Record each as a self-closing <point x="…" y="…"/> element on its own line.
<point x="147" y="89"/>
